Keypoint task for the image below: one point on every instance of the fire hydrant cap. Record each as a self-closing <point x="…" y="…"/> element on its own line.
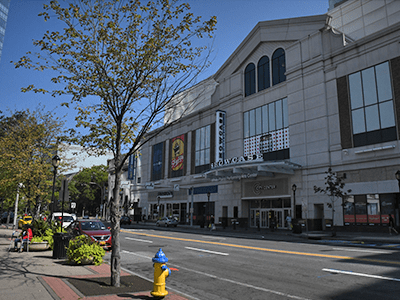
<point x="160" y="257"/>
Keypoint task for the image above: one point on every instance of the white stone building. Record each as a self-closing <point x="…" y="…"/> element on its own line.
<point x="298" y="96"/>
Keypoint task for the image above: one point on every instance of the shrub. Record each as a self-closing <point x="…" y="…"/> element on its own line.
<point x="37" y="239"/>
<point x="83" y="248"/>
<point x="39" y="227"/>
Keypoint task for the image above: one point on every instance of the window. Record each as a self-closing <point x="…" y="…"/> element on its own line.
<point x="266" y="130"/>
<point x="278" y="66"/>
<point x="202" y="149"/>
<point x="249" y="79"/>
<point x="369" y="209"/>
<point x="157" y="161"/>
<point x="371" y="103"/>
<point x="263" y="73"/>
<point x="132" y="167"/>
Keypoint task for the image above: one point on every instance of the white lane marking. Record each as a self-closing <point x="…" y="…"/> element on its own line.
<point x="361" y="274"/>
<point x="227" y="280"/>
<point x="138" y="240"/>
<point x="363" y="250"/>
<point x="207" y="251"/>
<point x="143" y="256"/>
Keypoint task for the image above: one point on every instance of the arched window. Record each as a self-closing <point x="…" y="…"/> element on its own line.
<point x="278" y="66"/>
<point x="250" y="80"/>
<point x="263" y="73"/>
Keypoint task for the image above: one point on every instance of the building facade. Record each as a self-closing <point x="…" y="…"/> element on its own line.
<point x="4" y="7"/>
<point x="297" y="97"/>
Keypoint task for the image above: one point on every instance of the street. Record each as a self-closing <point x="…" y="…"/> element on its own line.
<point x="221" y="267"/>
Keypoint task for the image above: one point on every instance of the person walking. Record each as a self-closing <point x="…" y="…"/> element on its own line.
<point x="391" y="225"/>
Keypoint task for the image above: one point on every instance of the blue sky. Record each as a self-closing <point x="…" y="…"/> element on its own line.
<point x="236" y="18"/>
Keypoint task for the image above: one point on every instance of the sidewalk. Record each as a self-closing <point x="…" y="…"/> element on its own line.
<point x="37" y="275"/>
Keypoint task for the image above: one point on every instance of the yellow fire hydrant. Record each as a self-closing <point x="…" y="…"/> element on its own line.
<point x="161" y="272"/>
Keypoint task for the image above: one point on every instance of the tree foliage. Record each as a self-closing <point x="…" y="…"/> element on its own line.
<point x="85" y="188"/>
<point x="334" y="188"/>
<point x="123" y="62"/>
<point x="27" y="143"/>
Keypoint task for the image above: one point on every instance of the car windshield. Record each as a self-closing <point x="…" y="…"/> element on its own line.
<point x="92" y="225"/>
<point x="68" y="219"/>
<point x="28" y="218"/>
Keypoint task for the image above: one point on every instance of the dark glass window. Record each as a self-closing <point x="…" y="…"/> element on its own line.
<point x="157" y="161"/>
<point x="202" y="149"/>
<point x="278" y="66"/>
<point x="371" y="103"/>
<point x="263" y="73"/>
<point x="250" y="79"/>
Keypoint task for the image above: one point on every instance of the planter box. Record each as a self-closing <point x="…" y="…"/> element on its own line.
<point x="39" y="246"/>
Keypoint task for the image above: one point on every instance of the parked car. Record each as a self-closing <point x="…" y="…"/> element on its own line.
<point x="125" y="220"/>
<point x="167" y="222"/>
<point x="66" y="218"/>
<point x="95" y="229"/>
<point x="4" y="217"/>
<point x="24" y="221"/>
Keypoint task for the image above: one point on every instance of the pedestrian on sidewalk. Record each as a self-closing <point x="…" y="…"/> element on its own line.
<point x="391" y="225"/>
<point x="289" y="222"/>
<point x="26" y="236"/>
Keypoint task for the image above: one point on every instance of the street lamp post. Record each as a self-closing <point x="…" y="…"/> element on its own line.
<point x="208" y="208"/>
<point x="158" y="207"/>
<point x="20" y="185"/>
<point x="55" y="161"/>
<point x="294" y="187"/>
<point x="398" y="182"/>
<point x="191" y="207"/>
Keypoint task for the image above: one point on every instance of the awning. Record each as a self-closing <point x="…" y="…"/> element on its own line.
<point x="251" y="170"/>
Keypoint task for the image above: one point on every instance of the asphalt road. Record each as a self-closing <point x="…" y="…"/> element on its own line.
<point x="211" y="267"/>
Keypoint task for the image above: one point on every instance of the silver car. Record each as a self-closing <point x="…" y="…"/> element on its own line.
<point x="167" y="222"/>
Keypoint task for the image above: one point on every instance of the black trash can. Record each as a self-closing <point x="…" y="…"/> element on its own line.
<point x="61" y="243"/>
<point x="297" y="228"/>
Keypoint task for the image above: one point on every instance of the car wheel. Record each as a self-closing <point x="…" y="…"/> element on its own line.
<point x="175" y="225"/>
<point x="166" y="225"/>
<point x="158" y="224"/>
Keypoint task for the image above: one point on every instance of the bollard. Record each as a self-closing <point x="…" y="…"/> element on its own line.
<point x="161" y="272"/>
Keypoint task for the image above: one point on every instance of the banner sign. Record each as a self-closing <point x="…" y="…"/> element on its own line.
<point x="178" y="150"/>
<point x="204" y="190"/>
<point x="220" y="131"/>
<point x="131" y="167"/>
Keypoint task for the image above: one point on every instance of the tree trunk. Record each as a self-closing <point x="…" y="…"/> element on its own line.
<point x="115" y="228"/>
<point x="333" y="218"/>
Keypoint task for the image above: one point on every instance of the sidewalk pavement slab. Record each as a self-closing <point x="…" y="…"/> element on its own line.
<point x="37" y="275"/>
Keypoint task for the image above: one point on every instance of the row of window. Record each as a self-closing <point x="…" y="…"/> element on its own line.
<point x="202" y="153"/>
<point x="369" y="209"/>
<point x="371" y="101"/>
<point x="263" y="73"/>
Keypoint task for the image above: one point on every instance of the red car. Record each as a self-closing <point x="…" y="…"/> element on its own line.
<point x="95" y="229"/>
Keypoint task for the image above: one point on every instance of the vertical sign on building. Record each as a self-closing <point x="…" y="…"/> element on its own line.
<point x="220" y="135"/>
<point x="177" y="155"/>
<point x="131" y="167"/>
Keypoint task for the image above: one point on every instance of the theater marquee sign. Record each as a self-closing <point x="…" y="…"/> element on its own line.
<point x="267" y="188"/>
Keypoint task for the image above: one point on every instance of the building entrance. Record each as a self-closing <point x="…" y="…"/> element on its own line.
<point x="263" y="218"/>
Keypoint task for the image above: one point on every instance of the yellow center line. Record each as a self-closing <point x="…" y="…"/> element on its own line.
<point x="264" y="249"/>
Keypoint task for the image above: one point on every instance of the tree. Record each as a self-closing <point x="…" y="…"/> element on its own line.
<point x="88" y="186"/>
<point x="334" y="185"/>
<point x="123" y="63"/>
<point x="27" y="143"/>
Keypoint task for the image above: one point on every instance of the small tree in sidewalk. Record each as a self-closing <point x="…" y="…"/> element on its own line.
<point x="334" y="188"/>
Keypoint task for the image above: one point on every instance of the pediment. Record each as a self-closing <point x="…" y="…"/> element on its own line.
<point x="266" y="37"/>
